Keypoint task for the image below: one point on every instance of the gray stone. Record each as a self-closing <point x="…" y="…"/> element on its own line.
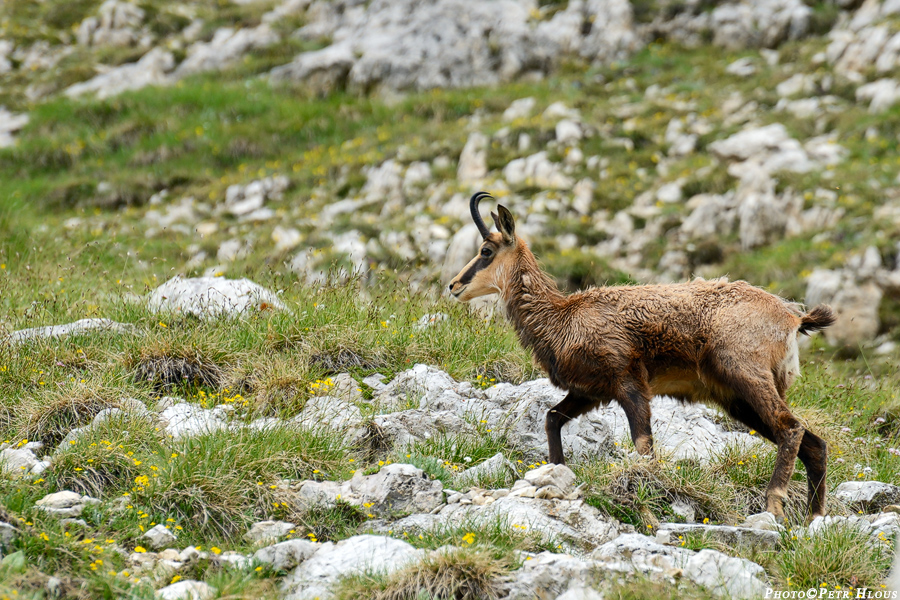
<point x="547" y="575"/>
<point x="78" y="327"/>
<point x="495" y="467"/>
<point x="726" y="576"/>
<point x="407" y="44"/>
<point x="285" y="556"/>
<point x="16" y="462"/>
<point x="188" y="420"/>
<point x="151" y="69"/>
<point x="115" y="25"/>
<point x="397" y="488"/>
<point x="568" y="132"/>
<point x="557" y="521"/>
<point x="560" y="476"/>
<point x="226" y="47"/>
<point x="187" y="590"/>
<point x="268" y="531"/>
<point x="358" y="554"/>
<point x="519" y="109"/>
<point x="323" y="71"/>
<point x="764" y="521"/>
<point x="64" y="503"/>
<point x="869" y="496"/>
<point x="159" y="537"/>
<point x="473" y="160"/>
<point x="668" y="533"/>
<point x="10" y="123"/>
<point x="8" y="534"/>
<point x="537" y="170"/>
<point x="212" y="297"/>
<point x="329" y="411"/>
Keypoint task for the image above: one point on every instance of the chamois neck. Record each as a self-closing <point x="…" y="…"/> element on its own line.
<point x="529" y="297"/>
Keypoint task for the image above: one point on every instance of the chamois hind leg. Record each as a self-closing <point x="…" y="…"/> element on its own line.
<point x="634" y="398"/>
<point x="776" y="423"/>
<point x="813" y="453"/>
<point x="571" y="407"/>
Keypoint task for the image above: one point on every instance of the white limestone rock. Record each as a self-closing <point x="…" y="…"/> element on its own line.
<point x="10" y="123"/>
<point x="212" y="297"/>
<point x="17" y="462"/>
<point x="549" y="575"/>
<point x="151" y="69"/>
<point x="284" y="556"/>
<point x="226" y="47"/>
<point x="867" y="495"/>
<point x="473" y="160"/>
<point x="559" y="476"/>
<point x="159" y="537"/>
<point x="185" y="420"/>
<point x="187" y="590"/>
<point x="362" y="553"/>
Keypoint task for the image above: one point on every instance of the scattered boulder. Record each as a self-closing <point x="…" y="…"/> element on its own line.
<point x="268" y="531"/>
<point x="116" y="24"/>
<point x="496" y="466"/>
<point x="668" y="533"/>
<point x="151" y="69"/>
<point x="725" y="575"/>
<point x="473" y="160"/>
<point x="396" y="488"/>
<point x="8" y="534"/>
<point x="868" y="496"/>
<point x="559" y="476"/>
<point x="548" y="575"/>
<point x="187" y="590"/>
<point x="537" y="170"/>
<point x="226" y="47"/>
<point x="64" y="503"/>
<point x="185" y="420"/>
<point x="286" y="555"/>
<point x="420" y="45"/>
<point x="78" y="327"/>
<point x="159" y="537"/>
<point x="10" y="123"/>
<point x="212" y="297"/>
<point x="370" y="553"/>
<point x="16" y="462"/>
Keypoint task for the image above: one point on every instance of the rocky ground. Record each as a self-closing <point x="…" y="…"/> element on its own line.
<point x="226" y="365"/>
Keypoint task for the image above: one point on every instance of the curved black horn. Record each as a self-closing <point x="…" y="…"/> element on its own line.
<point x="476" y="216"/>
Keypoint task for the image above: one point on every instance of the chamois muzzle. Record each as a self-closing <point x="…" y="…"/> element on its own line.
<point x="476" y="216"/>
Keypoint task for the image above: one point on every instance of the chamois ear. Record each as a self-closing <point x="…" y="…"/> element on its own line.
<point x="506" y="225"/>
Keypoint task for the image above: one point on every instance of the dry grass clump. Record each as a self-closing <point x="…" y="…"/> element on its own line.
<point x="458" y="574"/>
<point x="166" y="368"/>
<point x="224" y="481"/>
<point x="839" y="555"/>
<point x="49" y="418"/>
<point x="340" y="360"/>
<point x="640" y="491"/>
<point x="278" y="387"/>
<point x="107" y="458"/>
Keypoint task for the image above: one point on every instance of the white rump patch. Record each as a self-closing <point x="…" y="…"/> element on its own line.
<point x="790" y="364"/>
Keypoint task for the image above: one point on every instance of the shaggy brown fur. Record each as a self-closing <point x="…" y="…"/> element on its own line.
<point x="720" y="342"/>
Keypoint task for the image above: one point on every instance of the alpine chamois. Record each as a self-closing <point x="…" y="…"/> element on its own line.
<point x="726" y="343"/>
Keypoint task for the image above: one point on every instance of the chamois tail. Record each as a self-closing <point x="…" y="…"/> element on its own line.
<point x="818" y="318"/>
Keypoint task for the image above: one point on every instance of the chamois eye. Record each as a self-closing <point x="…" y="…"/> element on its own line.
<point x="486" y="252"/>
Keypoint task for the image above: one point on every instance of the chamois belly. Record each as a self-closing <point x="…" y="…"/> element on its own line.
<point x="689" y="385"/>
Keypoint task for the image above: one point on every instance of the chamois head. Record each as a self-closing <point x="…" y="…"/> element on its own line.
<point x="485" y="274"/>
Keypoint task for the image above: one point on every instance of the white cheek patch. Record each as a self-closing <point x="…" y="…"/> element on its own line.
<point x="497" y="279"/>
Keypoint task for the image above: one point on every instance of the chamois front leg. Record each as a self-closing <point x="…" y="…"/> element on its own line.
<point x="634" y="399"/>
<point x="572" y="406"/>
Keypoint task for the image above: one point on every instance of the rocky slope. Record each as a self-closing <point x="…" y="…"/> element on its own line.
<point x="221" y="224"/>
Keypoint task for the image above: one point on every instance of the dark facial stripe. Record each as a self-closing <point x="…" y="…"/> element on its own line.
<point x="480" y="264"/>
